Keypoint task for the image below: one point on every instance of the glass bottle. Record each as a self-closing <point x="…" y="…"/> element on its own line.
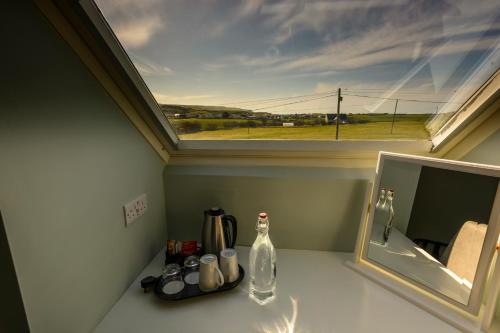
<point x="390" y="215"/>
<point x="381" y="198"/>
<point x="381" y="208"/>
<point x="262" y="263"/>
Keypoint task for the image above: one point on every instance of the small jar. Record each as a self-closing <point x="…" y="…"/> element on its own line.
<point x="172" y="279"/>
<point x="192" y="270"/>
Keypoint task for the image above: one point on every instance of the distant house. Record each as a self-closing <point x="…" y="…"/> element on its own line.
<point x="179" y="115"/>
<point x="331" y="118"/>
<point x="288" y="124"/>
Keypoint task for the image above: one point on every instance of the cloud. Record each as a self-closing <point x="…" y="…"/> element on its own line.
<point x="322" y="87"/>
<point x="384" y="44"/>
<point x="404" y="31"/>
<point x="147" y="67"/>
<point x="243" y="11"/>
<point x="289" y="19"/>
<point x="238" y="60"/>
<point x="137" y="33"/>
<point x="337" y="57"/>
<point x="213" y="67"/>
<point x="133" y="22"/>
<point x="307" y="45"/>
<point x="248" y="61"/>
<point x="184" y="99"/>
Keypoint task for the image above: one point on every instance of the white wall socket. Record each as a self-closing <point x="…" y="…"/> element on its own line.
<point x="135" y="208"/>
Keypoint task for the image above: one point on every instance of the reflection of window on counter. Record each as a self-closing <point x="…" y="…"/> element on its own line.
<point x="447" y="270"/>
<point x="426" y="254"/>
<point x="457" y="278"/>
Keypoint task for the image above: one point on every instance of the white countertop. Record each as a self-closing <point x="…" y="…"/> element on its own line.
<point x="401" y="255"/>
<point x="330" y="298"/>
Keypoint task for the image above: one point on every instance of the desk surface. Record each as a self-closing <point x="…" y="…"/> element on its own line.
<point x="330" y="297"/>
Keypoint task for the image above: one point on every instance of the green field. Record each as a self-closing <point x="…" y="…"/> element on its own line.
<point x="380" y="130"/>
<point x="363" y="127"/>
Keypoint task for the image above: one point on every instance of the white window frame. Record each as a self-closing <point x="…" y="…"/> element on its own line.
<point x="237" y="148"/>
<point x="486" y="95"/>
<point x="104" y="29"/>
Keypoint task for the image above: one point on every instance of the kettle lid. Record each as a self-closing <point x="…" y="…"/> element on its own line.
<point x="215" y="211"/>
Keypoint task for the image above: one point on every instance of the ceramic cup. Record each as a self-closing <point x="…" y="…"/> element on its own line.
<point x="229" y="265"/>
<point x="210" y="277"/>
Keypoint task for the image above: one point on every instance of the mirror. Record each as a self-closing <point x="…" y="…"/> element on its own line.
<point x="434" y="223"/>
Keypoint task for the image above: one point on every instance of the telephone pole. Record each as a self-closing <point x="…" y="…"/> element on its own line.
<point x="394" y="115"/>
<point x="339" y="99"/>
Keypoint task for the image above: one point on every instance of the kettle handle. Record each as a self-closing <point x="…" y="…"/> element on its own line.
<point x="234" y="229"/>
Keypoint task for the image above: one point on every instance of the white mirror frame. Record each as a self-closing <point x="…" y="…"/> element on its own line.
<point x="465" y="317"/>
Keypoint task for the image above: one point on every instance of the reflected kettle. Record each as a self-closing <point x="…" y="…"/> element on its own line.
<point x="218" y="232"/>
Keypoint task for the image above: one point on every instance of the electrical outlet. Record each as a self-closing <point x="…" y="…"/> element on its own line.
<point x="135" y="208"/>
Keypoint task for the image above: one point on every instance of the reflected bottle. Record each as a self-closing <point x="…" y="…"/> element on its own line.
<point x="380" y="208"/>
<point x="262" y="264"/>
<point x="389" y="216"/>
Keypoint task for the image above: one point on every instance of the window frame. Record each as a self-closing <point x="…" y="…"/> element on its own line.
<point x="350" y="150"/>
<point x="485" y="96"/>
<point x="94" y="14"/>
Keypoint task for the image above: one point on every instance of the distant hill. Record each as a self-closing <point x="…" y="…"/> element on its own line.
<point x="209" y="111"/>
<point x="202" y="109"/>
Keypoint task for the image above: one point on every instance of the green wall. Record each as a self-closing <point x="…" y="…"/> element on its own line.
<point x="309" y="208"/>
<point x="69" y="160"/>
<point x="488" y="152"/>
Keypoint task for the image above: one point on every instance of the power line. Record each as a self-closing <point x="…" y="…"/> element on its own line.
<point x="331" y="108"/>
<point x="351" y="92"/>
<point x="277" y="98"/>
<point x="296" y="102"/>
<point x="388" y="89"/>
<point x="401" y="99"/>
<point x="396" y="92"/>
<point x="381" y="89"/>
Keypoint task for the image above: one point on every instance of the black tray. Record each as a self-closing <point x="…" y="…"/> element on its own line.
<point x="190" y="290"/>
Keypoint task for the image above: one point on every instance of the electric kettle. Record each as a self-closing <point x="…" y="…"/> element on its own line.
<point x="216" y="234"/>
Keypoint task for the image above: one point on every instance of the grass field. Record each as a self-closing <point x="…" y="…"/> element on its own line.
<point x="381" y="130"/>
<point x="361" y="127"/>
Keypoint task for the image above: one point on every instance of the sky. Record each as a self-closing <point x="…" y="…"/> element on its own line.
<point x="292" y="56"/>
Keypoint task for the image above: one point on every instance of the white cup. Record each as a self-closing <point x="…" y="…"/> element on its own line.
<point x="229" y="265"/>
<point x="210" y="277"/>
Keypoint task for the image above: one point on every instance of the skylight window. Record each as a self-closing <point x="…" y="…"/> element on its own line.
<point x="223" y="70"/>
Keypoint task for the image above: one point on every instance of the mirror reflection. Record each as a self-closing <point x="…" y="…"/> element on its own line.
<point x="430" y="223"/>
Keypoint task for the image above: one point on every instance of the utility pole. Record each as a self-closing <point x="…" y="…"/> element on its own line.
<point x="339" y="99"/>
<point x="394" y="115"/>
